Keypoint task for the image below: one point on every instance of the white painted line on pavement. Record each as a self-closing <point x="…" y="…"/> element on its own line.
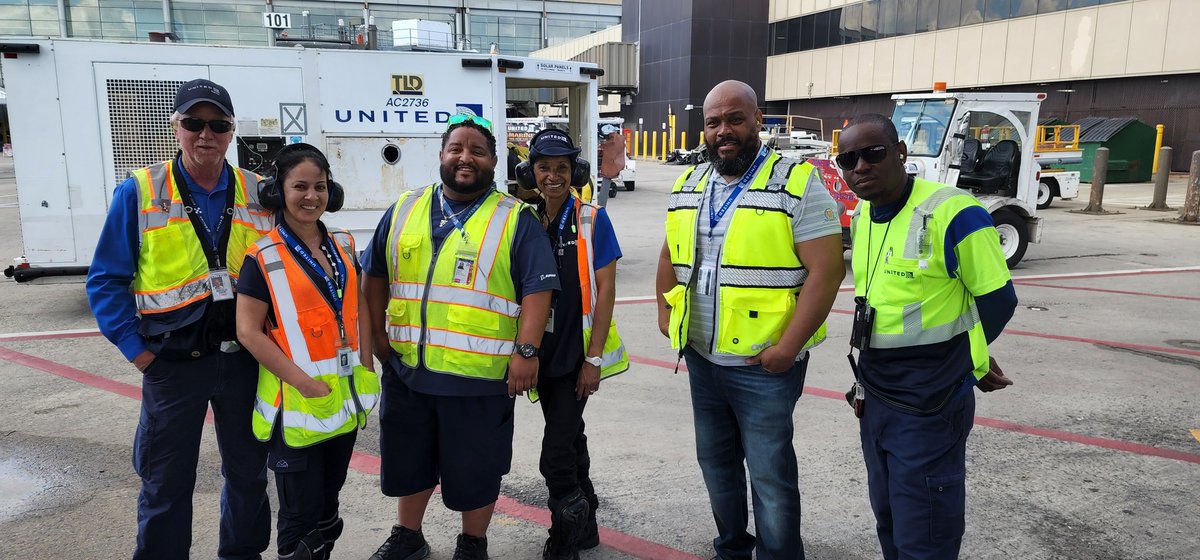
<point x="42" y="334"/>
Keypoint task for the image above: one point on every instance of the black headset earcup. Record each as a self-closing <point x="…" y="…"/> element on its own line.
<point x="524" y="176"/>
<point x="582" y="172"/>
<point x="268" y="195"/>
<point x="337" y="197"/>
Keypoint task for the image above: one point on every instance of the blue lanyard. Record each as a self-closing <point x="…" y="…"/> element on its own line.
<point x="334" y="289"/>
<point x="562" y="221"/>
<point x="460" y="223"/>
<point x="714" y="216"/>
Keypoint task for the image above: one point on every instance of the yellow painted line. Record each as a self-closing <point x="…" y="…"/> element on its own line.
<point x="1195" y="434"/>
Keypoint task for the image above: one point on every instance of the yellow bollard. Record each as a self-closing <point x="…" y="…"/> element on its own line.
<point x="665" y="140"/>
<point x="683" y="140"/>
<point x="1157" y="146"/>
<point x="701" y="137"/>
<point x="645" y="143"/>
<point x="654" y="145"/>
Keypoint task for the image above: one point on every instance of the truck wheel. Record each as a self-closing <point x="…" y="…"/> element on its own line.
<point x="629" y="185"/>
<point x="1045" y="195"/>
<point x="1014" y="235"/>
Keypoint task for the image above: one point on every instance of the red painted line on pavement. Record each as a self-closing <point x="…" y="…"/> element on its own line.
<point x="1106" y="291"/>
<point x="637" y="300"/>
<point x="1114" y="444"/>
<point x="1112" y="343"/>
<point x="368" y="464"/>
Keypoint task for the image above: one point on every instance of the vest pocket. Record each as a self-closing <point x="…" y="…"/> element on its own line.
<point x="327" y="406"/>
<point x="177" y="267"/>
<point x="320" y="333"/>
<point x="752" y="319"/>
<point x="897" y="283"/>
<point x="473" y="339"/>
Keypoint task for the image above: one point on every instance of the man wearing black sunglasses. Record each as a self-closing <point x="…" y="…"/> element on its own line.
<point x="746" y="278"/>
<point x="932" y="290"/>
<point x="161" y="285"/>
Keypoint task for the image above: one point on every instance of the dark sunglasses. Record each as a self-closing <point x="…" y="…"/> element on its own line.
<point x="460" y="118"/>
<point x="218" y="126"/>
<point x="870" y="154"/>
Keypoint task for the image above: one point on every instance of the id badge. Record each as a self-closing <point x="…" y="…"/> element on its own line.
<point x="464" y="265"/>
<point x="550" y="322"/>
<point x="345" y="365"/>
<point x="222" y="286"/>
<point x="705" y="280"/>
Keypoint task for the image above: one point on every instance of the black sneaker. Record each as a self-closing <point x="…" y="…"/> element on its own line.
<point x="402" y="544"/>
<point x="470" y="548"/>
<point x="557" y="549"/>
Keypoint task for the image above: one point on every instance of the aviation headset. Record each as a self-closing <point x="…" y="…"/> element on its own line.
<point x="269" y="190"/>
<point x="581" y="169"/>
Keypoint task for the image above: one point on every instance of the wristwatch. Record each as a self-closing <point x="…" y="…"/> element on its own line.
<point x="526" y="350"/>
<point x="594" y="360"/>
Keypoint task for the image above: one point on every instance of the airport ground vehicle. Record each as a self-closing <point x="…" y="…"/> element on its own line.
<point x="86" y="113"/>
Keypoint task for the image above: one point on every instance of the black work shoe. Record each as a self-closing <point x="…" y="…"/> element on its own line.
<point x="470" y="548"/>
<point x="557" y="549"/>
<point x="402" y="544"/>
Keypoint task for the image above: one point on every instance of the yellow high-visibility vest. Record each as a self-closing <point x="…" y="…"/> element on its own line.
<point x="172" y="270"/>
<point x="759" y="276"/>
<point x="454" y="310"/>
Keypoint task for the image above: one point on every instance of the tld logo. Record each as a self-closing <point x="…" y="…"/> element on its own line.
<point x="408" y="84"/>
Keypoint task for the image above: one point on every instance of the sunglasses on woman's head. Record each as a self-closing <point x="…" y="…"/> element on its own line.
<point x="870" y="154"/>
<point x="218" y="126"/>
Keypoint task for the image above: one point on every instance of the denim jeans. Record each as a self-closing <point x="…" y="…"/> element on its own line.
<point x="744" y="415"/>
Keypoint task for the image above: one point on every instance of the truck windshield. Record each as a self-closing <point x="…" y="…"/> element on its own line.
<point x="922" y="124"/>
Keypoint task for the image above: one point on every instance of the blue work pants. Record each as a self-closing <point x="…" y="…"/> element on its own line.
<point x="743" y="414"/>
<point x="166" y="449"/>
<point x="916" y="472"/>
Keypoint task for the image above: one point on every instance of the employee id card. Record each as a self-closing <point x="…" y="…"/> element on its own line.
<point x="464" y="264"/>
<point x="704" y="282"/>
<point x="345" y="365"/>
<point x="222" y="286"/>
<point x="550" y="322"/>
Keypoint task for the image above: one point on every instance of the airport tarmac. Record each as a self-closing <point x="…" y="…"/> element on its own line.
<point x="1090" y="455"/>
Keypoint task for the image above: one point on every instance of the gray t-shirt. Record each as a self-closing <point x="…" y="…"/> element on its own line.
<point x="815" y="215"/>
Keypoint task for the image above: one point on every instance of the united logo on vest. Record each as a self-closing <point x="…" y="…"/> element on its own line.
<point x="305" y="328"/>
<point x="759" y="275"/>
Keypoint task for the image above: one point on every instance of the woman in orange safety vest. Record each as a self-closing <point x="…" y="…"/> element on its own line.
<point x="299" y="317"/>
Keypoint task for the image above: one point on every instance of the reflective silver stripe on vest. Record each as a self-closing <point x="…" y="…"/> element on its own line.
<point x="346" y="242"/>
<point x="693" y="180"/>
<point x="457" y="296"/>
<point x="491" y="240"/>
<point x="469" y="343"/>
<point x="915" y="334"/>
<point x="745" y="277"/>
<point x="174" y="296"/>
<point x="686" y="200"/>
<point x="160" y="198"/>
<point x="303" y="420"/>
<point x="289" y="318"/>
<point x="926" y="208"/>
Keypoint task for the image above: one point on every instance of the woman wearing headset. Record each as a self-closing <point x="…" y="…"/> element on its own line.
<point x="580" y="346"/>
<point x="301" y="320"/>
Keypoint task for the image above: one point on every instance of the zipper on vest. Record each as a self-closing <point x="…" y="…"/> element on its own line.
<point x="421" y="362"/>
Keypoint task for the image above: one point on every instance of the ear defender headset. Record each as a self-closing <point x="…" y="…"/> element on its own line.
<point x="581" y="169"/>
<point x="269" y="190"/>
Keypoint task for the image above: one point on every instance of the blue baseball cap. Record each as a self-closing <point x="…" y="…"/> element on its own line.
<point x="203" y="91"/>
<point x="552" y="143"/>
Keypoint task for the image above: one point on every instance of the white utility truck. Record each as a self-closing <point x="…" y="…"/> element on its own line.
<point x="84" y="114"/>
<point x="991" y="144"/>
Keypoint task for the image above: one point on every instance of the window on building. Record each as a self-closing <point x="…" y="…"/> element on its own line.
<point x="793" y="34"/>
<point x="825" y="32"/>
<point x="1082" y="3"/>
<point x="887" y="18"/>
<point x="996" y="10"/>
<point x="949" y="14"/>
<point x="870" y="20"/>
<point x="808" y="33"/>
<point x="972" y="12"/>
<point x="906" y="17"/>
<point x="851" y="24"/>
<point x="927" y="16"/>
<point x="1047" y="6"/>
<point x="1022" y="8"/>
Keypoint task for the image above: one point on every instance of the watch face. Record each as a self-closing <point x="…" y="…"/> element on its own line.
<point x="527" y="350"/>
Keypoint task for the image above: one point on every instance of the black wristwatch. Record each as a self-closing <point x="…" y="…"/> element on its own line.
<point x="526" y="351"/>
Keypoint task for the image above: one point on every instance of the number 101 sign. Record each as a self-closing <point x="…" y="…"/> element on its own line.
<point x="277" y="20"/>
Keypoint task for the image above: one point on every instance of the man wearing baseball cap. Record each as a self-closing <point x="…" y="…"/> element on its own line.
<point x="162" y="286"/>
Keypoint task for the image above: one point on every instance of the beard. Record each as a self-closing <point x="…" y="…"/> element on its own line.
<point x="736" y="165"/>
<point x="483" y="180"/>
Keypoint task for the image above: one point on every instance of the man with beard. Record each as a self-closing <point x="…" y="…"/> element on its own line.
<point x="459" y="282"/>
<point x="748" y="273"/>
<point x="932" y="291"/>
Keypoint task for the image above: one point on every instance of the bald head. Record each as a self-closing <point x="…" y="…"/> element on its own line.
<point x="732" y="92"/>
<point x="731" y="123"/>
